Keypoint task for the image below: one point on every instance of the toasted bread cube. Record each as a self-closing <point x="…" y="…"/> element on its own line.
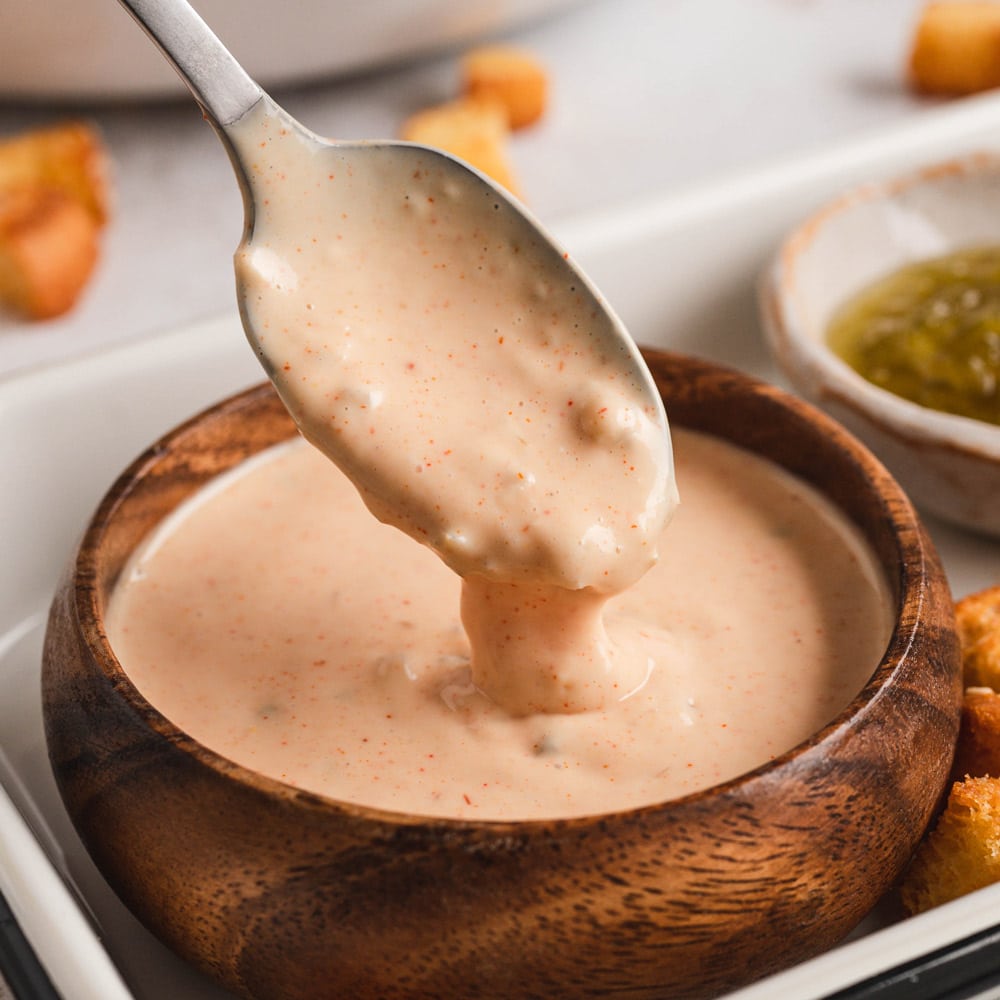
<point x="514" y="78"/>
<point x="473" y="130"/>
<point x="956" y="48"/>
<point x="54" y="199"/>
<point x="962" y="852"/>
<point x="69" y="157"/>
<point x="978" y="752"/>
<point x="978" y="619"/>
<point x="48" y="249"/>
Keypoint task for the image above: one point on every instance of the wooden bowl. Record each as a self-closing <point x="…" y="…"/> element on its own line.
<point x="281" y="893"/>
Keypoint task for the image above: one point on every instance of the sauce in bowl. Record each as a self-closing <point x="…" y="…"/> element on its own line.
<point x="273" y="619"/>
<point x="529" y="658"/>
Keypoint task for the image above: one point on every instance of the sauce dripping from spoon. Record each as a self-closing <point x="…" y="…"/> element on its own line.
<point x="429" y="337"/>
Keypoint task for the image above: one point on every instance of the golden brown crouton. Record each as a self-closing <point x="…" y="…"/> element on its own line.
<point x="514" y="78"/>
<point x="473" y="130"/>
<point x="48" y="248"/>
<point x="68" y="157"/>
<point x="54" y="200"/>
<point x="978" y="751"/>
<point x="956" y="47"/>
<point x="978" y="618"/>
<point x="962" y="852"/>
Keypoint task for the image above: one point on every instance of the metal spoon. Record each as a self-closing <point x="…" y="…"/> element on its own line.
<point x="451" y="210"/>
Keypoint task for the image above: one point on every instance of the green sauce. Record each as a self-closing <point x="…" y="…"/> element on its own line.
<point x="930" y="333"/>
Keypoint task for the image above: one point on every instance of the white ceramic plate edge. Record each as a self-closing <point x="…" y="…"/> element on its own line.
<point x="72" y="955"/>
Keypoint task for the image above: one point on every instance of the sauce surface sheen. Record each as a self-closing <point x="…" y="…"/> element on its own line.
<point x="278" y="623"/>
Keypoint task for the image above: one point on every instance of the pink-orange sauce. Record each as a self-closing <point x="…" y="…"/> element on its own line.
<point x="277" y="622"/>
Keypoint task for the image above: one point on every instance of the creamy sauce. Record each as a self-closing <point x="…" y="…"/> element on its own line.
<point x="273" y="619"/>
<point x="427" y="342"/>
<point x="524" y="660"/>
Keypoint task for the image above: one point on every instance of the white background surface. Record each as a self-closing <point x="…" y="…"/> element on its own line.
<point x="649" y="97"/>
<point x="684" y="137"/>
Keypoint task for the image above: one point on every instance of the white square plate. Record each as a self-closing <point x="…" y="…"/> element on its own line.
<point x="682" y="273"/>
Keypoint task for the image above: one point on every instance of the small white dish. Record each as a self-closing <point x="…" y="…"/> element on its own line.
<point x="949" y="465"/>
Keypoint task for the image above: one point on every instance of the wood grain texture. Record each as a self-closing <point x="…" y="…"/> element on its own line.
<point x="282" y="894"/>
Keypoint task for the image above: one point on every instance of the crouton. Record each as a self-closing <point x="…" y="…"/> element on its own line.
<point x="962" y="852"/>
<point x="956" y="48"/>
<point x="67" y="157"/>
<point x="514" y="78"/>
<point x="54" y="201"/>
<point x="474" y="130"/>
<point x="978" y="619"/>
<point x="48" y="249"/>
<point x="978" y="752"/>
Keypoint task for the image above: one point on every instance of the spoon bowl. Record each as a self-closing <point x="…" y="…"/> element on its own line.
<point x="391" y="291"/>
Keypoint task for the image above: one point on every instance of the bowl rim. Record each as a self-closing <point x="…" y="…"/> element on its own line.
<point x="806" y="359"/>
<point x="904" y="530"/>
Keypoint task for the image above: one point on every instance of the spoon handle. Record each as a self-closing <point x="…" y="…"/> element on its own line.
<point x="218" y="82"/>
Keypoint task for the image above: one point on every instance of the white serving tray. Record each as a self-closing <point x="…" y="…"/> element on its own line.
<point x="681" y="272"/>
